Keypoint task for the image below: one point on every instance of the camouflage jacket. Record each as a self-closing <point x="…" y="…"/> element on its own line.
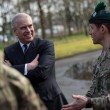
<point x="16" y="92"/>
<point x="101" y="103"/>
<point x="101" y="76"/>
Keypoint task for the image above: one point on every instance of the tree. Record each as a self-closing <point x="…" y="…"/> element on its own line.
<point x="42" y="20"/>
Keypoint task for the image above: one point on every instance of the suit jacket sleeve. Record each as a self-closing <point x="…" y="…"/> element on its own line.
<point x="46" y="63"/>
<point x="8" y="57"/>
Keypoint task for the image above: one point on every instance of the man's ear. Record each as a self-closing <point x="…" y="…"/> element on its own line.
<point x="103" y="29"/>
<point x="14" y="31"/>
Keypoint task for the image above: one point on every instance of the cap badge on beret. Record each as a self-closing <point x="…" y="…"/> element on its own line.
<point x="94" y="14"/>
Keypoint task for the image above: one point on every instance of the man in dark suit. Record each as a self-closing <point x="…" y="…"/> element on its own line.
<point x="34" y="58"/>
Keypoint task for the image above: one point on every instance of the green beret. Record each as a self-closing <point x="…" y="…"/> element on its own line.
<point x="100" y="15"/>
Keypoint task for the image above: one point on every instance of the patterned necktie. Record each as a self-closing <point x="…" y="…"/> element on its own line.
<point x="25" y="48"/>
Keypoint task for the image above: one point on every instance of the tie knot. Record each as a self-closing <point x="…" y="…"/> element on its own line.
<point x="25" y="48"/>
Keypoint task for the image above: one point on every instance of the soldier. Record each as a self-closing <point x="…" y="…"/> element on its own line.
<point x="97" y="97"/>
<point x="16" y="92"/>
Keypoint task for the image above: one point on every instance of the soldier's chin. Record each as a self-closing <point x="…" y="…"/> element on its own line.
<point x="95" y="43"/>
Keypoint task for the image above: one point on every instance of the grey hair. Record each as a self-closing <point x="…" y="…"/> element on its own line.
<point x="17" y="16"/>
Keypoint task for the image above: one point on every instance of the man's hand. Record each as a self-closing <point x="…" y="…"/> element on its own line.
<point x="32" y="65"/>
<point x="6" y="62"/>
<point x="79" y="103"/>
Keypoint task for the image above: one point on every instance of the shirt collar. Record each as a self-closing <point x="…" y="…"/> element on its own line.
<point x="21" y="44"/>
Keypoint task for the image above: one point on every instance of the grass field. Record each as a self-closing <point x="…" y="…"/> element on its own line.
<point x="73" y="45"/>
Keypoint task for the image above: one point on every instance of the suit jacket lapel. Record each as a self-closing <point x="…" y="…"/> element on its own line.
<point x="32" y="51"/>
<point x="18" y="53"/>
<point x="18" y="48"/>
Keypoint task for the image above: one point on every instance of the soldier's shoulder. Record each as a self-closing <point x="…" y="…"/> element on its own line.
<point x="22" y="89"/>
<point x="14" y="75"/>
<point x="7" y="96"/>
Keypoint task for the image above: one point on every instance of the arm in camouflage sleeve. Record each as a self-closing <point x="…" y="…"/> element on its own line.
<point x="92" y="87"/>
<point x="101" y="103"/>
<point x="80" y="102"/>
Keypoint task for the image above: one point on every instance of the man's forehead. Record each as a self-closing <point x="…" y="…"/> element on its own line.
<point x="23" y="18"/>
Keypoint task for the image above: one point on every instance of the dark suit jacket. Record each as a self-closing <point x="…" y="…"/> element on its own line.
<point x="42" y="77"/>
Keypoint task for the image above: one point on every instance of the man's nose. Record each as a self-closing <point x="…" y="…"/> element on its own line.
<point x="89" y="33"/>
<point x="27" y="29"/>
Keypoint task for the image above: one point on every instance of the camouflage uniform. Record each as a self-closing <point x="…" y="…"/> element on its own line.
<point x="101" y="79"/>
<point x="101" y="103"/>
<point x="16" y="93"/>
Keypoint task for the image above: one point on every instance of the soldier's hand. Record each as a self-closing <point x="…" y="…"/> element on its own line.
<point x="78" y="103"/>
<point x="32" y="65"/>
<point x="6" y="62"/>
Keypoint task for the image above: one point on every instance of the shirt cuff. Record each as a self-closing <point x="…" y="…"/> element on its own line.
<point x="25" y="69"/>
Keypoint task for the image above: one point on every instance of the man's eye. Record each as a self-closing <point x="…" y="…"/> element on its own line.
<point x="23" y="27"/>
<point x="30" y="26"/>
